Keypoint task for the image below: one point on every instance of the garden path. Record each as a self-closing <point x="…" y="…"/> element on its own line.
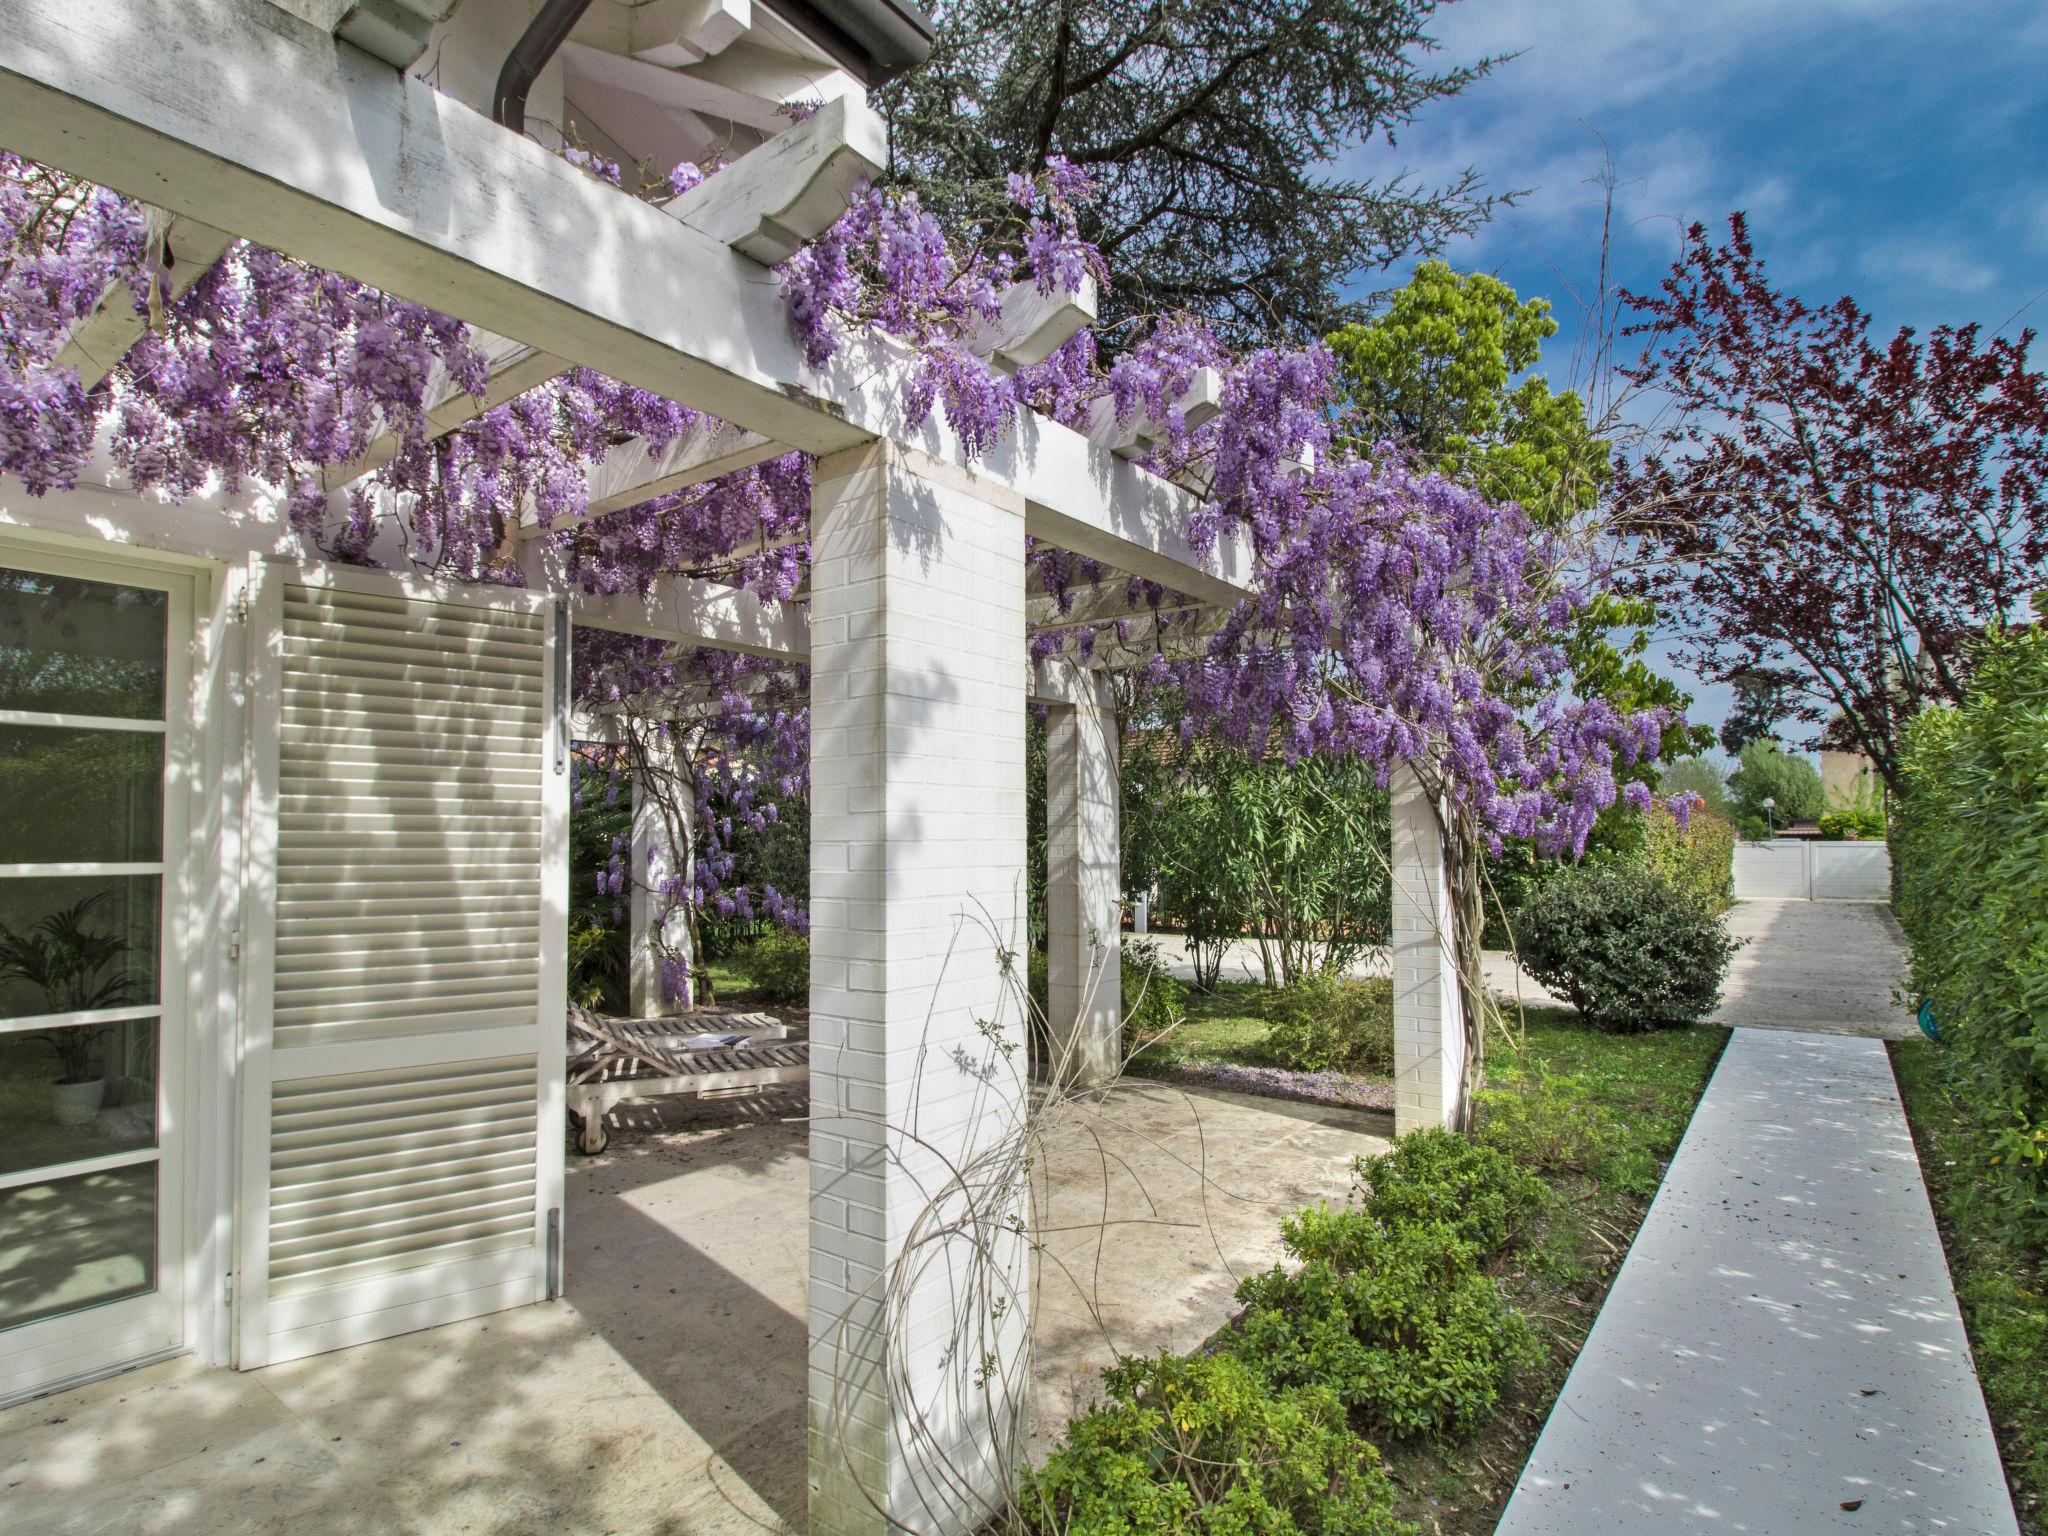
<point x="1782" y="1350"/>
<point x="1824" y="966"/>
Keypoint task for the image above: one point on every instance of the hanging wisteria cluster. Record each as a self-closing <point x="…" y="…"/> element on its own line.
<point x="1397" y="616"/>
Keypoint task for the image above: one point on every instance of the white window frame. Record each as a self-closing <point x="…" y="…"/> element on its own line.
<point x="92" y="1340"/>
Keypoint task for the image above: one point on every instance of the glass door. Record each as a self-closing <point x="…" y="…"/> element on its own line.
<point x="92" y="685"/>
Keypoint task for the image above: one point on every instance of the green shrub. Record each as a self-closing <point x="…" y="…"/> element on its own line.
<point x="1698" y="858"/>
<point x="1328" y="1022"/>
<point x="1545" y="1124"/>
<point x="779" y="966"/>
<point x="1849" y="825"/>
<point x="1626" y="947"/>
<point x="1438" y="1177"/>
<point x="1969" y="836"/>
<point x="1154" y="999"/>
<point x="1206" y="1447"/>
<point x="1400" y="1322"/>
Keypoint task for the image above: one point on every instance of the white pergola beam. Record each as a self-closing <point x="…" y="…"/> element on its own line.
<point x="274" y="131"/>
<point x="674" y="88"/>
<point x="705" y="27"/>
<point x="103" y="338"/>
<point x="685" y="611"/>
<point x="783" y="194"/>
<point x="313" y="148"/>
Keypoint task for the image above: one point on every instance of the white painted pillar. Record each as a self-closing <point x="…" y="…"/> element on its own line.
<point x="1429" y="1017"/>
<point x="655" y="922"/>
<point x="1083" y="903"/>
<point x="919" y="1298"/>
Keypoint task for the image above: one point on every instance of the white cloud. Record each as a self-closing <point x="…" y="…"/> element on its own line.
<point x="1930" y="261"/>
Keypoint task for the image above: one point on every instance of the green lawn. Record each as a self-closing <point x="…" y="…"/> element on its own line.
<point x="2003" y="1291"/>
<point x="1598" y="1115"/>
<point x="1223" y="1025"/>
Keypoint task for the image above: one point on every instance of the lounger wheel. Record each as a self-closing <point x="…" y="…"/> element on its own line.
<point x="591" y="1135"/>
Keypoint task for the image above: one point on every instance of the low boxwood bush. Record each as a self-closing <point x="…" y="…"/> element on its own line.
<point x="1437" y="1177"/>
<point x="1626" y="947"/>
<point x="1401" y="1323"/>
<point x="1969" y="838"/>
<point x="778" y="966"/>
<point x="1328" y="1022"/>
<point x="1207" y="1447"/>
<point x="1392" y="1307"/>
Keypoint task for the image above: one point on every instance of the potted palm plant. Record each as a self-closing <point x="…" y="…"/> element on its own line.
<point x="66" y="958"/>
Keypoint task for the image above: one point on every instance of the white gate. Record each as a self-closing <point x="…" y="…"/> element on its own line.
<point x="404" y="935"/>
<point x="1803" y="869"/>
<point x="1852" y="872"/>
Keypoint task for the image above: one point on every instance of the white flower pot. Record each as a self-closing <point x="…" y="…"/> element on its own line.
<point x="77" y="1103"/>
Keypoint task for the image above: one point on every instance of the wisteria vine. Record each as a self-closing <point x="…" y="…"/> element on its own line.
<point x="1397" y="616"/>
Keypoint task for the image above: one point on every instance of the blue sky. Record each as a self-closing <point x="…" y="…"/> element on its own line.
<point x="1896" y="150"/>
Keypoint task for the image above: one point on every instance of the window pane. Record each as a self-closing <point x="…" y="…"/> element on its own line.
<point x="69" y="796"/>
<point x="82" y="941"/>
<point x="81" y="647"/>
<point x="76" y="1242"/>
<point x="79" y="1092"/>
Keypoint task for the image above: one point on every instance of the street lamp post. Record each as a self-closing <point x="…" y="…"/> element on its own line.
<point x="1770" y="823"/>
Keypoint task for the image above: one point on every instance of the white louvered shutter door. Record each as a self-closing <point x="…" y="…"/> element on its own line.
<point x="403" y="1012"/>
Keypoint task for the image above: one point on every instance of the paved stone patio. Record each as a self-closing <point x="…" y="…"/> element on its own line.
<point x="666" y="1395"/>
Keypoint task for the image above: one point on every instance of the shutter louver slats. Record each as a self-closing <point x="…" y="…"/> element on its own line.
<point x="410" y="798"/>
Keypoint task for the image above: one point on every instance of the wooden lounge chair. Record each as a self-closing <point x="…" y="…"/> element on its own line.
<point x="615" y="1061"/>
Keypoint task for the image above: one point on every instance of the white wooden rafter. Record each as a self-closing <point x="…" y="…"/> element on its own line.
<point x="99" y="341"/>
<point x="362" y="171"/>
<point x="1034" y="324"/>
<point x="513" y="368"/>
<point x="1199" y="403"/>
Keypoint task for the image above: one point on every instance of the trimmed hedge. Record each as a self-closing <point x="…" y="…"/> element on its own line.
<point x="1969" y="839"/>
<point x="1698" y="858"/>
<point x="1393" y="1325"/>
<point x="1626" y="947"/>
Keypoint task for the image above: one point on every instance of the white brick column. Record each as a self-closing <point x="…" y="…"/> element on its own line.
<point x="1429" y="1017"/>
<point x="1084" y="878"/>
<point x="919" y="1301"/>
<point x="652" y="918"/>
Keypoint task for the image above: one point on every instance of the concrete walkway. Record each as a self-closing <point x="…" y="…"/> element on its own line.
<point x="1829" y="967"/>
<point x="1781" y="1351"/>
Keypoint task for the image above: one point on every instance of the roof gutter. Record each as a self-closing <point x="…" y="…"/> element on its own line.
<point x="874" y="40"/>
<point x="539" y="43"/>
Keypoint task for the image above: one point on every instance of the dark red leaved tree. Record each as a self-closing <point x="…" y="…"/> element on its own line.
<point x="1827" y="508"/>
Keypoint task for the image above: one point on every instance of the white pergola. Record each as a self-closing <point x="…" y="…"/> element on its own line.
<point x="249" y="118"/>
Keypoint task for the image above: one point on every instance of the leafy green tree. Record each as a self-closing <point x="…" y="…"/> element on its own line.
<point x="1762" y="700"/>
<point x="1294" y="856"/>
<point x="1211" y="129"/>
<point x="1766" y="771"/>
<point x="1445" y="372"/>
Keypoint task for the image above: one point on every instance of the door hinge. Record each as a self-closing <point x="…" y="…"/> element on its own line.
<point x="235" y="946"/>
<point x="239" y="611"/>
<point x="227" y="1290"/>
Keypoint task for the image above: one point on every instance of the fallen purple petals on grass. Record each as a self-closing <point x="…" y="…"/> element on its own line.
<point x="1281" y="1083"/>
